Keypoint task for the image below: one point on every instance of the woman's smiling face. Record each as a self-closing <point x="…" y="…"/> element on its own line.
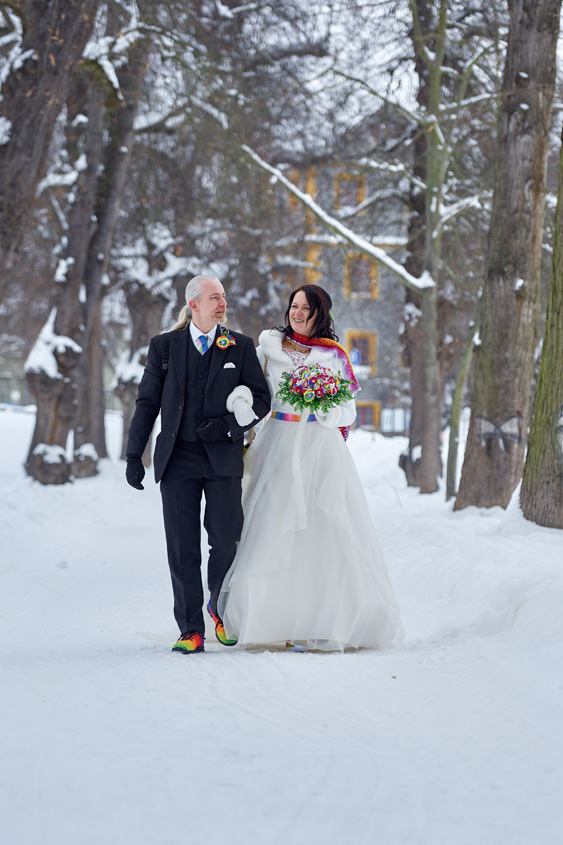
<point x="300" y="315"/>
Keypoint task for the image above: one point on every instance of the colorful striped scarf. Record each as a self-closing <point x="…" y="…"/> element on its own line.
<point x="338" y="349"/>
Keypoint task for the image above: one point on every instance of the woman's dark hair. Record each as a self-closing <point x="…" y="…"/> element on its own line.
<point x="320" y="304"/>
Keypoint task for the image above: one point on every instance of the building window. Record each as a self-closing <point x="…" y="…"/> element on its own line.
<point x="368" y="415"/>
<point x="362" y="349"/>
<point x="395" y="420"/>
<point x="361" y="277"/>
<point x="350" y="191"/>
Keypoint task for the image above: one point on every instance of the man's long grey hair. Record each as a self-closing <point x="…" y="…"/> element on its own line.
<point x="193" y="291"/>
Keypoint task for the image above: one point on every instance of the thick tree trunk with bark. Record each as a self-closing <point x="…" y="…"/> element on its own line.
<point x="112" y="182"/>
<point x="541" y="496"/>
<point x="54" y="36"/>
<point x="89" y="430"/>
<point x="56" y="405"/>
<point x="146" y="312"/>
<point x="502" y="380"/>
<point x="415" y="264"/>
<point x="78" y="316"/>
<point x="422" y="463"/>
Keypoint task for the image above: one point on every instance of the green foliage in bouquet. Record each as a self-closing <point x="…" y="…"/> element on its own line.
<point x="314" y="388"/>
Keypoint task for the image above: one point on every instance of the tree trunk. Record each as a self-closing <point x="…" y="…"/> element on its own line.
<point x="56" y="407"/>
<point x="460" y="388"/>
<point x="78" y="317"/>
<point x="146" y="312"/>
<point x="415" y="264"/>
<point x="57" y="404"/>
<point x="112" y="182"/>
<point x="54" y="36"/>
<point x="409" y="461"/>
<point x="431" y="463"/>
<point x="509" y="310"/>
<point x="422" y="333"/>
<point x="89" y="432"/>
<point x="541" y="496"/>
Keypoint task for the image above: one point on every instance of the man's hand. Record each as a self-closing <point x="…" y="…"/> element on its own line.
<point x="212" y="430"/>
<point x="135" y="473"/>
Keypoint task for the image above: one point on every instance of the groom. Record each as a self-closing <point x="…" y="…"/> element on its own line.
<point x="207" y="384"/>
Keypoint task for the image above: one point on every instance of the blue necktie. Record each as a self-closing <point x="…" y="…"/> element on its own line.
<point x="204" y="340"/>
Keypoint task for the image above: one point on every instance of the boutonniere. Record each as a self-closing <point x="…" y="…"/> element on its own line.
<point x="225" y="340"/>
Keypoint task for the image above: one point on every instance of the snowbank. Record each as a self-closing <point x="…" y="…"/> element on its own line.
<point x="106" y="736"/>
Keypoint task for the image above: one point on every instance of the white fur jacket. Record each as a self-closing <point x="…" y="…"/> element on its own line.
<point x="270" y="344"/>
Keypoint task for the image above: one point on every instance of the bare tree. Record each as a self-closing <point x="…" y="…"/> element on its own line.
<point x="502" y="380"/>
<point x="541" y="496"/>
<point x="41" y="68"/>
<point x="69" y="389"/>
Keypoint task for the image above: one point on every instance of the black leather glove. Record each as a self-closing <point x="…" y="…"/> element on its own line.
<point x="211" y="430"/>
<point x="135" y="473"/>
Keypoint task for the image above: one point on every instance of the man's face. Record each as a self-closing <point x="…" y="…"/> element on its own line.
<point x="211" y="308"/>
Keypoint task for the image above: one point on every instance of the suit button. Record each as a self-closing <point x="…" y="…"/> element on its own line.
<point x="180" y="407"/>
<point x="173" y="436"/>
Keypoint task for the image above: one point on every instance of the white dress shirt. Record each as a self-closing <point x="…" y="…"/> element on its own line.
<point x="196" y="334"/>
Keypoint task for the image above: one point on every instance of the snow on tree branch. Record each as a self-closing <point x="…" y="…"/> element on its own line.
<point x="469" y="101"/>
<point x="448" y="212"/>
<point x="359" y="243"/>
<point x="411" y="114"/>
<point x="42" y="358"/>
<point x="396" y="169"/>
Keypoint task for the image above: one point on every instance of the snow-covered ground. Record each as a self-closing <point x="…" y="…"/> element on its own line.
<point x="455" y="737"/>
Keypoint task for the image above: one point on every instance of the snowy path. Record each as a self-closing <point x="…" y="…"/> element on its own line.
<point x="106" y="737"/>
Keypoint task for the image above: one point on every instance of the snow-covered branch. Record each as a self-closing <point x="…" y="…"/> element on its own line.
<point x="448" y="212"/>
<point x="469" y="101"/>
<point x="395" y="169"/>
<point x="411" y="114"/>
<point x="358" y="242"/>
<point x="42" y="357"/>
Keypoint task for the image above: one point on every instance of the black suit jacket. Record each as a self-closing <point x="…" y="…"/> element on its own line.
<point x="164" y="391"/>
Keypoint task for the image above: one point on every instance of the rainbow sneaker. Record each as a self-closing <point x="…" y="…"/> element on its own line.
<point x="189" y="643"/>
<point x="299" y="646"/>
<point x="220" y="628"/>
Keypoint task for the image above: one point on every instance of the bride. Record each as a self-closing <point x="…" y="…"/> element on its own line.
<point x="308" y="571"/>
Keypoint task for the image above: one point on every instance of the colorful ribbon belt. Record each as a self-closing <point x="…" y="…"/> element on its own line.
<point x="279" y="415"/>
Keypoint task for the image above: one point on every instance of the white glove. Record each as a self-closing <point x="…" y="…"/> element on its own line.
<point x="239" y="403"/>
<point x="243" y="412"/>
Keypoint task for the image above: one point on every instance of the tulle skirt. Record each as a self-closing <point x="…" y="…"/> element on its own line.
<point x="308" y="567"/>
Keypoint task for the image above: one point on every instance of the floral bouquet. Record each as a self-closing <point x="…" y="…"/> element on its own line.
<point x="313" y="388"/>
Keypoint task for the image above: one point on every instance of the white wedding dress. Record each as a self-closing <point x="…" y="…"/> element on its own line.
<point x="308" y="567"/>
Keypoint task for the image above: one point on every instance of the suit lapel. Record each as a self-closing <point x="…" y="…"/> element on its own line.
<point x="217" y="358"/>
<point x="179" y="353"/>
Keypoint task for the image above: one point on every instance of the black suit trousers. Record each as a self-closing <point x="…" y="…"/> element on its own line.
<point x="188" y="475"/>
